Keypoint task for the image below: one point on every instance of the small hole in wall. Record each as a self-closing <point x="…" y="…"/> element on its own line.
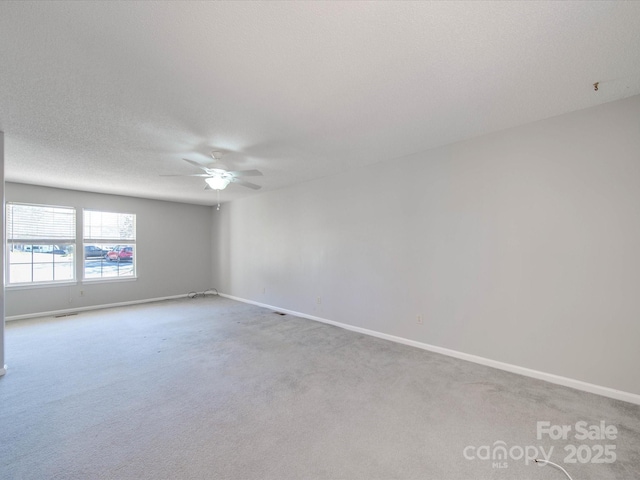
<point x="280" y="313"/>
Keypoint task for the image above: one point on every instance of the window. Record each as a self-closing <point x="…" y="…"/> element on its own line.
<point x="109" y="244"/>
<point x="41" y="242"/>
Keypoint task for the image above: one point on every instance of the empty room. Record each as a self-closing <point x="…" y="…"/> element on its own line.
<point x="320" y="240"/>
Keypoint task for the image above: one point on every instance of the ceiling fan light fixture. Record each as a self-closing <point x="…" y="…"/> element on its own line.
<point x="217" y="183"/>
<point x="218" y="177"/>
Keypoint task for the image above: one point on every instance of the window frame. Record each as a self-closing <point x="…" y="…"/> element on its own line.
<point x="109" y="240"/>
<point x="12" y="241"/>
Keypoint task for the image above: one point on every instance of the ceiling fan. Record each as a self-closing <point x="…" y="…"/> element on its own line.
<point x="217" y="177"/>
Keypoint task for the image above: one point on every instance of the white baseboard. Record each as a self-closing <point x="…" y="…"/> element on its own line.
<point x="547" y="377"/>
<point x="3" y="370"/>
<point x="91" y="307"/>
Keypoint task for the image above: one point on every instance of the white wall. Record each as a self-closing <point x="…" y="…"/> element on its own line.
<point x="2" y="369"/>
<point x="173" y="251"/>
<point x="521" y="246"/>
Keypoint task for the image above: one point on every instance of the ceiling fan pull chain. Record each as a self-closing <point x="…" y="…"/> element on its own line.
<point x="218" y="192"/>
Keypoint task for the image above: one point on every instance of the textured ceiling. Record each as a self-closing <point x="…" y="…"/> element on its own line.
<point x="106" y="96"/>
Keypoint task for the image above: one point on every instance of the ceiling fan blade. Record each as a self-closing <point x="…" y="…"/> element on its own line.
<point x="180" y="175"/>
<point x="246" y="184"/>
<point x="246" y="173"/>
<point x="195" y="164"/>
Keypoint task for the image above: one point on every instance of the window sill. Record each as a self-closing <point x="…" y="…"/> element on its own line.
<point x="108" y="280"/>
<point x="29" y="286"/>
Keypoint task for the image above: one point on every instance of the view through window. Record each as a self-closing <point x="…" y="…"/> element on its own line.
<point x="40" y="243"/>
<point x="109" y="244"/>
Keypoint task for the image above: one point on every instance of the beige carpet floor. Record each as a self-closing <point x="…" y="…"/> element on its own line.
<point x="210" y="388"/>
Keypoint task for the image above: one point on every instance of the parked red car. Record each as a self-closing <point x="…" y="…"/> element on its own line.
<point x="120" y="253"/>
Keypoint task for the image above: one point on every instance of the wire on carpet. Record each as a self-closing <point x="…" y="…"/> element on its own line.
<point x="555" y="465"/>
<point x="211" y="291"/>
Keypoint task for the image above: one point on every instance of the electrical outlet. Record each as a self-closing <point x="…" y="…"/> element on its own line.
<point x="264" y="289"/>
<point x="319" y="300"/>
<point x="82" y="293"/>
<point x="419" y="319"/>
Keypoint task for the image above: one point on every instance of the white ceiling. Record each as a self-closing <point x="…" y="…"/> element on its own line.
<point x="106" y="96"/>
